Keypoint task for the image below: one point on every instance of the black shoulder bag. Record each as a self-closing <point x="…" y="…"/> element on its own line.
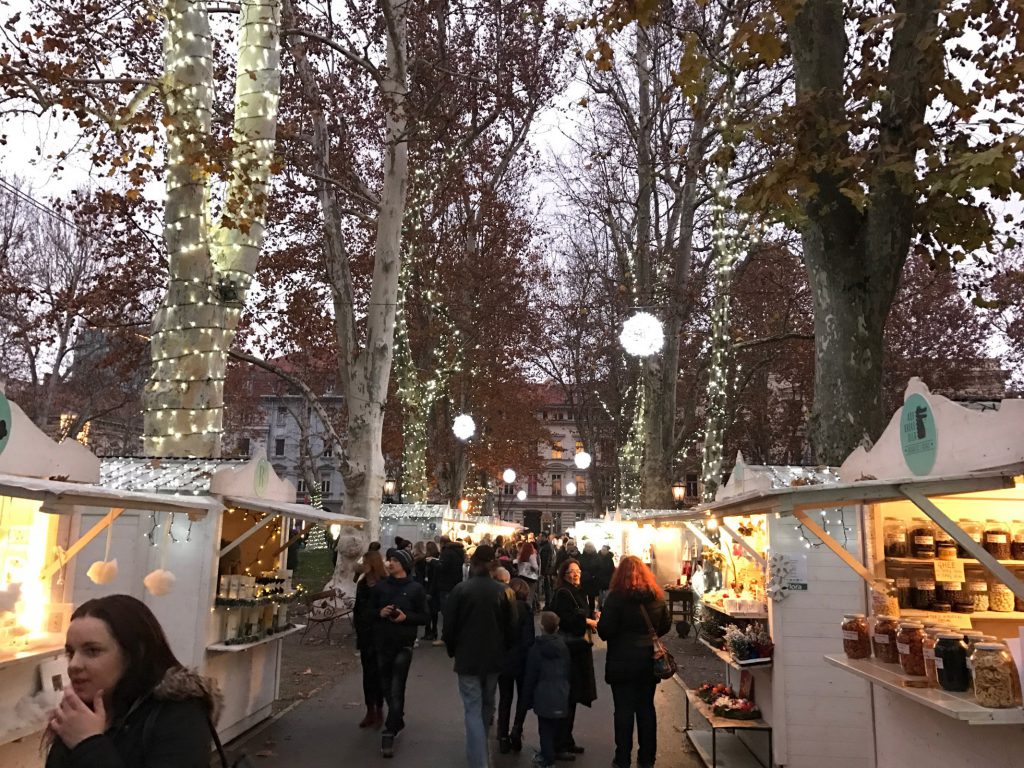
<point x="664" y="664"/>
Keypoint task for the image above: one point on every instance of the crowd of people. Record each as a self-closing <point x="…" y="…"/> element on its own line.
<point x="132" y="703"/>
<point x="484" y="601"/>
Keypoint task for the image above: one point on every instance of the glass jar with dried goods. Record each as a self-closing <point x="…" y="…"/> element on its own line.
<point x="922" y="539"/>
<point x="939" y="607"/>
<point x="922" y="594"/>
<point x="997" y="539"/>
<point x="909" y="644"/>
<point x="856" y="642"/>
<point x="978" y="590"/>
<point x="1017" y="542"/>
<point x="975" y="530"/>
<point x="951" y="662"/>
<point x="1000" y="598"/>
<point x="895" y="537"/>
<point x="884" y="639"/>
<point x="903" y="590"/>
<point x="945" y="548"/>
<point x="928" y="652"/>
<point x="951" y="592"/>
<point x="993" y="675"/>
<point x="884" y="601"/>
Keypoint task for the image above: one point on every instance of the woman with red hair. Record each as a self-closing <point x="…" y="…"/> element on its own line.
<point x="635" y="601"/>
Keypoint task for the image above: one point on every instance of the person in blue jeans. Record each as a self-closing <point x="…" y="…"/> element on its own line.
<point x="546" y="687"/>
<point x="479" y="627"/>
<point x="401" y="607"/>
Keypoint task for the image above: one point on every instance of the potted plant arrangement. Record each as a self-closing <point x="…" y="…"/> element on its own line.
<point x="710" y="692"/>
<point x="751" y="645"/>
<point x="735" y="708"/>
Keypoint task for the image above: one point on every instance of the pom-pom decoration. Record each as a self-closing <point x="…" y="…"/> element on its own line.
<point x="102" y="571"/>
<point x="159" y="582"/>
<point x="464" y="427"/>
<point x="582" y="460"/>
<point x="642" y="335"/>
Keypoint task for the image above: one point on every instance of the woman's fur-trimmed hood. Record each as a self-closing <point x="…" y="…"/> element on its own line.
<point x="181" y="684"/>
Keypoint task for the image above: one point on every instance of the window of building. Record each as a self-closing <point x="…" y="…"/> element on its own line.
<point x="557" y="451"/>
<point x="531" y="486"/>
<point x="691" y="486"/>
<point x="328" y="449"/>
<point x="556" y="485"/>
<point x="579" y="446"/>
<point x="544" y="415"/>
<point x="300" y="485"/>
<point x="243" y="446"/>
<point x="561" y="417"/>
<point x="279" y="447"/>
<point x="325" y="487"/>
<point x="508" y="489"/>
<point x="581" y="485"/>
<point x="282" y="416"/>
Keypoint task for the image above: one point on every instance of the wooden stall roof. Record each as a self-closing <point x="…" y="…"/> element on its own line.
<point x="299" y="511"/>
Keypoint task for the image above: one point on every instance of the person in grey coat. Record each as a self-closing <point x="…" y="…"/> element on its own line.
<point x="546" y="687"/>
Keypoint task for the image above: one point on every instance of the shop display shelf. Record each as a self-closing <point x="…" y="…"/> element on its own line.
<point x="225" y="648"/>
<point x="959" y="706"/>
<point x="929" y="561"/>
<point x="721" y="747"/>
<point x="733" y="662"/>
<point x="912" y="613"/>
<point x="23" y="732"/>
<point x="735" y="615"/>
<point x="34" y="655"/>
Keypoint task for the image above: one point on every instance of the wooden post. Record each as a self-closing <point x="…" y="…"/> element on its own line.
<point x="79" y="545"/>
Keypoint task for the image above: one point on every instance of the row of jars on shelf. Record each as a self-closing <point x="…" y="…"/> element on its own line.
<point x="910" y="589"/>
<point x="925" y="540"/>
<point x="952" y="659"/>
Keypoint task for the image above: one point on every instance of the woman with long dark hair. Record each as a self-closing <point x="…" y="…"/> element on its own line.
<point x="576" y="622"/>
<point x="131" y="702"/>
<point x="528" y="565"/>
<point x="634" y="606"/>
<point x="364" y="618"/>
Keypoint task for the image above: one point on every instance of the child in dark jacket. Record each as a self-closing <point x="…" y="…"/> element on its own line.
<point x="546" y="688"/>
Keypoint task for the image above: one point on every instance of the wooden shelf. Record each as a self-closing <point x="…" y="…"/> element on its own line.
<point x="33" y="655"/>
<point x="728" y="658"/>
<point x="979" y="615"/>
<point x="722" y="722"/>
<point x="23" y="732"/>
<point x="959" y="706"/>
<point x="225" y="648"/>
<point x="929" y="561"/>
<point x="729" y="750"/>
<point x="744" y="616"/>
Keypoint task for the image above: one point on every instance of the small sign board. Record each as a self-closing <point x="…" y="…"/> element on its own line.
<point x="949" y="570"/>
<point x="918" y="435"/>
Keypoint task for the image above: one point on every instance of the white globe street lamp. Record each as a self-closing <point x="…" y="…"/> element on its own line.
<point x="642" y="335"/>
<point x="582" y="460"/>
<point x="509" y="476"/>
<point x="570" y="488"/>
<point x="464" y="427"/>
<point x="521" y="495"/>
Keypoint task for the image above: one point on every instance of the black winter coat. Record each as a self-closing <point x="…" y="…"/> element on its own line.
<point x="570" y="603"/>
<point x="546" y="688"/>
<point x="515" y="657"/>
<point x="480" y="625"/>
<point x="409" y="597"/>
<point x="546" y="556"/>
<point x="453" y="557"/>
<point x="167" y="728"/>
<point x="364" y="617"/>
<point x="630" y="655"/>
<point x="590" y="567"/>
<point x="605" y="569"/>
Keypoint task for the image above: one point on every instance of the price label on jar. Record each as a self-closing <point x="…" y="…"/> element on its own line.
<point x="938" y="662"/>
<point x="849" y="635"/>
<point x="882" y="639"/>
<point x="949" y="570"/>
<point x="995" y="538"/>
<point x="929" y="653"/>
<point x="903" y="648"/>
<point x="902" y="582"/>
<point x="924" y="541"/>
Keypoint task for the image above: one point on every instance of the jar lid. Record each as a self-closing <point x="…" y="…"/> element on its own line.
<point x="989" y="647"/>
<point x="972" y="633"/>
<point x="888" y="618"/>
<point x="942" y="607"/>
<point x="948" y="635"/>
<point x="911" y="625"/>
<point x="935" y="630"/>
<point x="853" y="615"/>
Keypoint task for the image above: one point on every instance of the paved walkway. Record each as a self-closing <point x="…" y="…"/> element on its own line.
<point x="322" y="732"/>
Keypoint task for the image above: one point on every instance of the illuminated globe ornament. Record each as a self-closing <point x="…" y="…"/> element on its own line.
<point x="570" y="488"/>
<point x="464" y="427"/>
<point x="582" y="460"/>
<point x="642" y="335"/>
<point x="509" y="476"/>
<point x="521" y="495"/>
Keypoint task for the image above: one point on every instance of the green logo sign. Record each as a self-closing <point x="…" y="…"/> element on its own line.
<point x="918" y="435"/>
<point x="5" y="421"/>
<point x="262" y="478"/>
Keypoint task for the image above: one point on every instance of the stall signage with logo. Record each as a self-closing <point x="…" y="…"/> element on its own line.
<point x="918" y="435"/>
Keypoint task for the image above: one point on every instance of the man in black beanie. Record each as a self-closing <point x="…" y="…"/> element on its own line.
<point x="479" y="626"/>
<point x="401" y="607"/>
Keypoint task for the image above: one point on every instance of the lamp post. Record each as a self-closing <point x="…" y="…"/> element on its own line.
<point x="390" y="486"/>
<point x="679" y="493"/>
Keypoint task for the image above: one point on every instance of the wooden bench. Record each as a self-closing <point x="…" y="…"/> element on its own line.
<point x="325" y="608"/>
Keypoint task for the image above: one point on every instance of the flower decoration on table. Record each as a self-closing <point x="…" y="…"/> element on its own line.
<point x="751" y="642"/>
<point x="710" y="692"/>
<point x="735" y="709"/>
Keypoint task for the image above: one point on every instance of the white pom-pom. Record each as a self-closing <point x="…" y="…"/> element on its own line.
<point x="464" y="427"/>
<point x="103" y="571"/>
<point x="642" y="335"/>
<point x="159" y="582"/>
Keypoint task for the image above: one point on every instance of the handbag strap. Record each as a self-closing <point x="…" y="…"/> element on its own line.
<point x="216" y="741"/>
<point x="647" y="621"/>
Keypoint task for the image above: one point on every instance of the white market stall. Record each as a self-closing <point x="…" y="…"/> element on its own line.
<point x="38" y="540"/>
<point x="939" y="470"/>
<point x="226" y="610"/>
<point x="424" y="522"/>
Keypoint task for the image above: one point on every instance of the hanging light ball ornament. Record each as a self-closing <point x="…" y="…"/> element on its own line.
<point x="464" y="427"/>
<point x="570" y="488"/>
<point x="642" y="335"/>
<point x="582" y="460"/>
<point x="521" y="495"/>
<point x="509" y="476"/>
